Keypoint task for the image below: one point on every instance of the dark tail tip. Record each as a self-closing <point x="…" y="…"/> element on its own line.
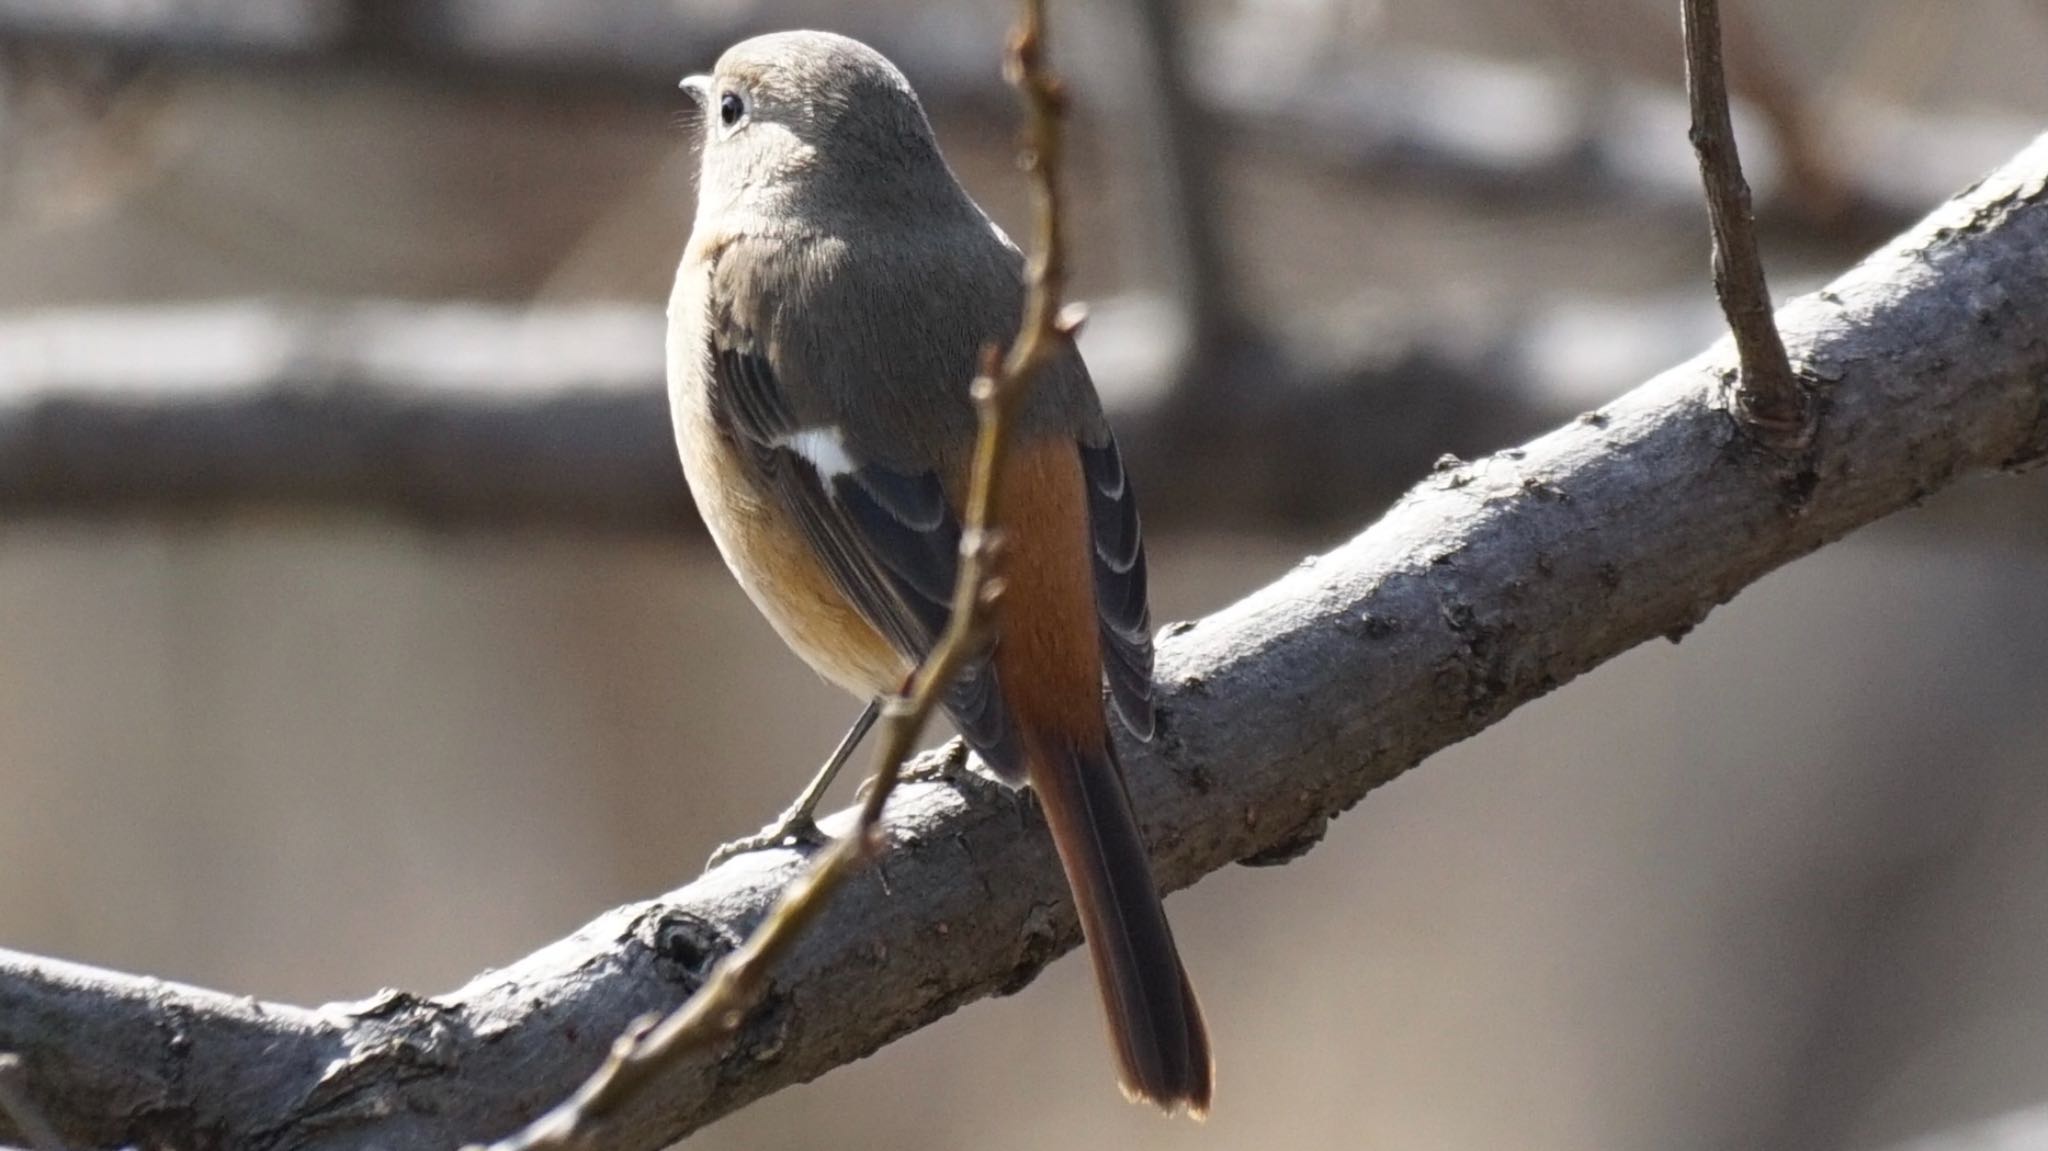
<point x="1187" y="1087"/>
<point x="1155" y="1022"/>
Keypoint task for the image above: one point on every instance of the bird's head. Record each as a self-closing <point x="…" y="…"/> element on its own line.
<point x="804" y="124"/>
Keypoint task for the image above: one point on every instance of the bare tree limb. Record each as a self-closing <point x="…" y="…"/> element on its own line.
<point x="1767" y="395"/>
<point x="1490" y="584"/>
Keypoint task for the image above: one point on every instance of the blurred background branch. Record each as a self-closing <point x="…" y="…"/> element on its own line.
<point x="466" y="415"/>
<point x="1395" y="110"/>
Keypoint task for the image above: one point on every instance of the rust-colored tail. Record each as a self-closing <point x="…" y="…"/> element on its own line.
<point x="1154" y="1020"/>
<point x="1049" y="664"/>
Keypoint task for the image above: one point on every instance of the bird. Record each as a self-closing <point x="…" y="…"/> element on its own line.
<point x="831" y="307"/>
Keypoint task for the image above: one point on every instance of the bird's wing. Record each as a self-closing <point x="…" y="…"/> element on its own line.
<point x="1121" y="606"/>
<point x="887" y="537"/>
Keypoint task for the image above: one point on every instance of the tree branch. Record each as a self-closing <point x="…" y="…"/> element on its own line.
<point x="1767" y="395"/>
<point x="1490" y="584"/>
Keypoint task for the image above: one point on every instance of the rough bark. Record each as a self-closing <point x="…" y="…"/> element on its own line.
<point x="1490" y="584"/>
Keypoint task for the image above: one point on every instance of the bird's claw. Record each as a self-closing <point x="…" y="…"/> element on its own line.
<point x="951" y="767"/>
<point x="796" y="831"/>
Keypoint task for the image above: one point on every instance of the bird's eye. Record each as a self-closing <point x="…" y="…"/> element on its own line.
<point x="731" y="108"/>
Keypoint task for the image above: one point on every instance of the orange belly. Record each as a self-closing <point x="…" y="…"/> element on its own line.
<point x="783" y="576"/>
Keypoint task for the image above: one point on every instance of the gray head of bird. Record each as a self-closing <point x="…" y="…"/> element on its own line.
<point x="801" y="126"/>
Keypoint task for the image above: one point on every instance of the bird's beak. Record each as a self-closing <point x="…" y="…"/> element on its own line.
<point x="698" y="89"/>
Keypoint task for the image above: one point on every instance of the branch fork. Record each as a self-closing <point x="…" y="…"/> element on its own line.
<point x="1768" y="400"/>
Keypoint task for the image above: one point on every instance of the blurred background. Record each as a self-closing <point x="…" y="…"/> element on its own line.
<point x="354" y="631"/>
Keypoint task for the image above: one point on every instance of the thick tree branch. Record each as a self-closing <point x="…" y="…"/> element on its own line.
<point x="1766" y="393"/>
<point x="1490" y="584"/>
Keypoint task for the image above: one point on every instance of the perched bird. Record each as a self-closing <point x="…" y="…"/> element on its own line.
<point x="831" y="307"/>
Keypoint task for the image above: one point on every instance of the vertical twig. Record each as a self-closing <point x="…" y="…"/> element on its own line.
<point x="1812" y="183"/>
<point x="720" y="1007"/>
<point x="15" y="1104"/>
<point x="1179" y="180"/>
<point x="1767" y="396"/>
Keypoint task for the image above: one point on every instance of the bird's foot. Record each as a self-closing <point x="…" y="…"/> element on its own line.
<point x="795" y="829"/>
<point x="951" y="767"/>
<point x="948" y="767"/>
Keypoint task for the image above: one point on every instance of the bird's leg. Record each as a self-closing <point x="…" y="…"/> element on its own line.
<point x="796" y="827"/>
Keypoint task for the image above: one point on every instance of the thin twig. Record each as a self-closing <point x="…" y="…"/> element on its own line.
<point x="720" y="1007"/>
<point x="15" y="1104"/>
<point x="1767" y="396"/>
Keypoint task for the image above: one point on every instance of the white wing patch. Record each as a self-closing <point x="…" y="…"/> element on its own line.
<point x="823" y="448"/>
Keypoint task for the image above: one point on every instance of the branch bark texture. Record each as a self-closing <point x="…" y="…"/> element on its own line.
<point x="1488" y="585"/>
